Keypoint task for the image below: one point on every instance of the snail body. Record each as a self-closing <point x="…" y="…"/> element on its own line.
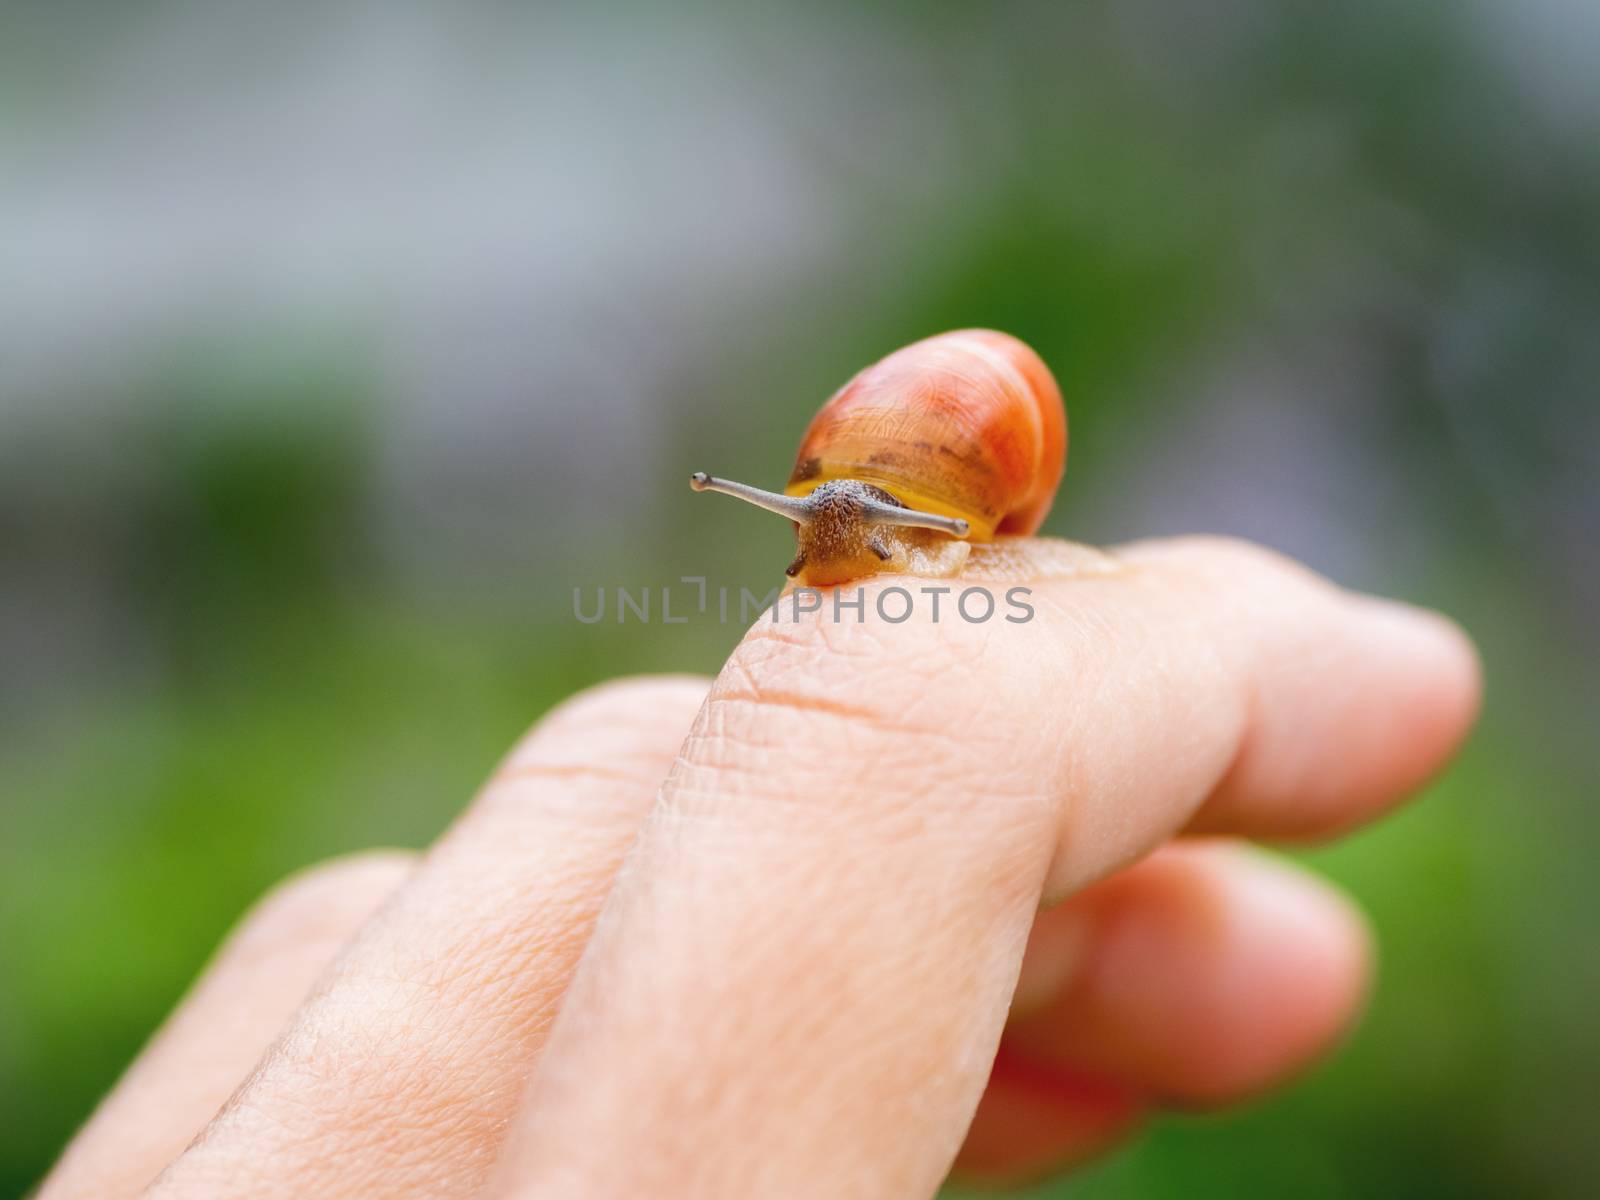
<point x="955" y="439"/>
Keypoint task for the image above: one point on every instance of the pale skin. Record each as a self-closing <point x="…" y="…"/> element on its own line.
<point x="878" y="902"/>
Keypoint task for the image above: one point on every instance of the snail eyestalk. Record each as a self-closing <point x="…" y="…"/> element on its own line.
<point x="803" y="510"/>
<point x="847" y="529"/>
<point x="785" y="506"/>
<point x="874" y="513"/>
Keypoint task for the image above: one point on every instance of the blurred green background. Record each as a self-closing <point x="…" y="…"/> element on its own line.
<point x="338" y="344"/>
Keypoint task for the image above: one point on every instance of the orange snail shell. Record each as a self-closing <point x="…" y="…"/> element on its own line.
<point x="966" y="424"/>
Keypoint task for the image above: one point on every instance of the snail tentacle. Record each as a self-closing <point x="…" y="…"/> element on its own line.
<point x="875" y="513"/>
<point x="784" y="506"/>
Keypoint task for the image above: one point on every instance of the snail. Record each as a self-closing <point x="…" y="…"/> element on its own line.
<point x="956" y="439"/>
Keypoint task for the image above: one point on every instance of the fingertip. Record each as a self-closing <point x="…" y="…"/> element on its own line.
<point x="1446" y="670"/>
<point x="1214" y="973"/>
<point x="1348" y="723"/>
<point x="1421" y="697"/>
<point x="325" y="900"/>
<point x="1289" y="978"/>
<point x="1293" y="979"/>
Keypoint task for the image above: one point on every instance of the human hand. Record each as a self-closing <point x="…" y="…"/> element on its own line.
<point x="786" y="969"/>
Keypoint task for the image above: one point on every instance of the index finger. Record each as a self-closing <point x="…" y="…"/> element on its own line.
<point x="799" y="981"/>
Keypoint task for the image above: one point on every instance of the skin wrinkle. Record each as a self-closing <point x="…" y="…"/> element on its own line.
<point x="739" y="763"/>
<point x="782" y="782"/>
<point x="771" y="698"/>
<point x="869" y="651"/>
<point x="817" y="638"/>
<point x="475" y="964"/>
<point x="810" y="716"/>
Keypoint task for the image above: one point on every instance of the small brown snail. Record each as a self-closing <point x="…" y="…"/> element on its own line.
<point x="955" y="439"/>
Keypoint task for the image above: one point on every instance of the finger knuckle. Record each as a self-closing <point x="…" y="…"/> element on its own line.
<point x="616" y="732"/>
<point x="627" y="703"/>
<point x="318" y="900"/>
<point x="1234" y="560"/>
